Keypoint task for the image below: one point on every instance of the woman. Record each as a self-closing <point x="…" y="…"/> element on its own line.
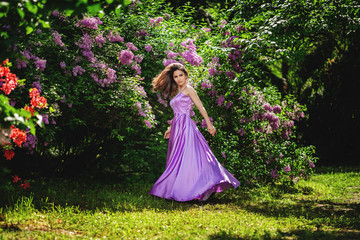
<point x="192" y="171"/>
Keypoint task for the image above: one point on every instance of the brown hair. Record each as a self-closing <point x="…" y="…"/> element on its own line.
<point x="165" y="80"/>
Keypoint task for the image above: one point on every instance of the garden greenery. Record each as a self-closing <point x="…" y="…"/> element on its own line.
<point x="102" y="117"/>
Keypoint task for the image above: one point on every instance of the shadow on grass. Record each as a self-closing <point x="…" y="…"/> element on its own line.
<point x="298" y="234"/>
<point x="329" y="213"/>
<point x="336" y="169"/>
<point x="90" y="196"/>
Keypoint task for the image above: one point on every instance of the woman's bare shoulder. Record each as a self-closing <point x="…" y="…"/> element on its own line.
<point x="189" y="90"/>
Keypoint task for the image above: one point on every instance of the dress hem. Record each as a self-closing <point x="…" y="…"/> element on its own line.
<point x="205" y="195"/>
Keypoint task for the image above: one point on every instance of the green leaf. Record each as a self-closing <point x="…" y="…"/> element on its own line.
<point x="118" y="11"/>
<point x="29" y="29"/>
<point x="101" y="14"/>
<point x="69" y="12"/>
<point x="45" y="24"/>
<point x="79" y="2"/>
<point x="31" y="8"/>
<point x="127" y="2"/>
<point x="95" y="8"/>
<point x="21" y="13"/>
<point x="109" y="1"/>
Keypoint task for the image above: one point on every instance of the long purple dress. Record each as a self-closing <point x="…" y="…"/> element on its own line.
<point x="192" y="171"/>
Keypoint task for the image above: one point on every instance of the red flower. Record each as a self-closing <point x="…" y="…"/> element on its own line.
<point x="17" y="135"/>
<point x="9" y="79"/>
<point x="16" y="178"/>
<point x="30" y="109"/>
<point x="4" y="71"/>
<point x="25" y="185"/>
<point x="39" y="102"/>
<point x="9" y="154"/>
<point x="5" y="62"/>
<point x="34" y="93"/>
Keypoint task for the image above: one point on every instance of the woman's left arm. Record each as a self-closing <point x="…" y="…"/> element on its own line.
<point x="196" y="100"/>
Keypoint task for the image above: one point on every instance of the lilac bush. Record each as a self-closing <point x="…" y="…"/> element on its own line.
<point x="96" y="74"/>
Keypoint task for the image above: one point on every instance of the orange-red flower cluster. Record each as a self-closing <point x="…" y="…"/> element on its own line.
<point x="36" y="101"/>
<point x="25" y="185"/>
<point x="8" y="82"/>
<point x="8" y="79"/>
<point x="9" y="154"/>
<point x="30" y="109"/>
<point x="17" y="135"/>
<point x="16" y="178"/>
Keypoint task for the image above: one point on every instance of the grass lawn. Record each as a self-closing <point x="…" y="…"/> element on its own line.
<point x="327" y="206"/>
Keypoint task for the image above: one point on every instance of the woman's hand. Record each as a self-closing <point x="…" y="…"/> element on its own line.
<point x="212" y="130"/>
<point x="167" y="134"/>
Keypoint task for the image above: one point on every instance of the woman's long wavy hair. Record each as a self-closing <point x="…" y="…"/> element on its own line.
<point x="164" y="81"/>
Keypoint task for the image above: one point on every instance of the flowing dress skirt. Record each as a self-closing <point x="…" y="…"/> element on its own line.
<point x="192" y="171"/>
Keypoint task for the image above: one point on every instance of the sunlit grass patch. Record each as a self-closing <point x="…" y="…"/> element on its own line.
<point x="324" y="207"/>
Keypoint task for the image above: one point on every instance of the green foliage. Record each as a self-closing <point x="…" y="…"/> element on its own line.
<point x="302" y="36"/>
<point x="324" y="207"/>
<point x="100" y="121"/>
<point x="310" y="49"/>
<point x="28" y="15"/>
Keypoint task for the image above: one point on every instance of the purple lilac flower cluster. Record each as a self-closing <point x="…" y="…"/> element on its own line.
<point x="86" y="44"/>
<point x="37" y="86"/>
<point x="148" y="47"/>
<point x="223" y="23"/>
<point x="203" y="123"/>
<point x="115" y="38"/>
<point x="131" y="46"/>
<point x="235" y="56"/>
<point x="142" y="33"/>
<point x="57" y="39"/>
<point x="274" y="173"/>
<point x="287" y="168"/>
<point x="89" y="22"/>
<point x="241" y="132"/>
<point x="239" y="28"/>
<point x="40" y="64"/>
<point x="213" y="66"/>
<point x="100" y="39"/>
<point x="155" y="21"/>
<point x="30" y="144"/>
<point x="126" y="57"/>
<point x="21" y="63"/>
<point x="161" y="100"/>
<point x="140" y="109"/>
<point x="137" y="68"/>
<point x="206" y="29"/>
<point x="142" y="112"/>
<point x="62" y="64"/>
<point x="78" y="70"/>
<point x="205" y="84"/>
<point x="105" y="70"/>
<point x="221" y="100"/>
<point x="170" y="57"/>
<point x="190" y="54"/>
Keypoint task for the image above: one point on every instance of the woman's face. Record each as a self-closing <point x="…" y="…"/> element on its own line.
<point x="180" y="78"/>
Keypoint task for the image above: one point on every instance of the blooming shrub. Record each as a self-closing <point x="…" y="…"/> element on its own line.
<point x="15" y="137"/>
<point x="96" y="74"/>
